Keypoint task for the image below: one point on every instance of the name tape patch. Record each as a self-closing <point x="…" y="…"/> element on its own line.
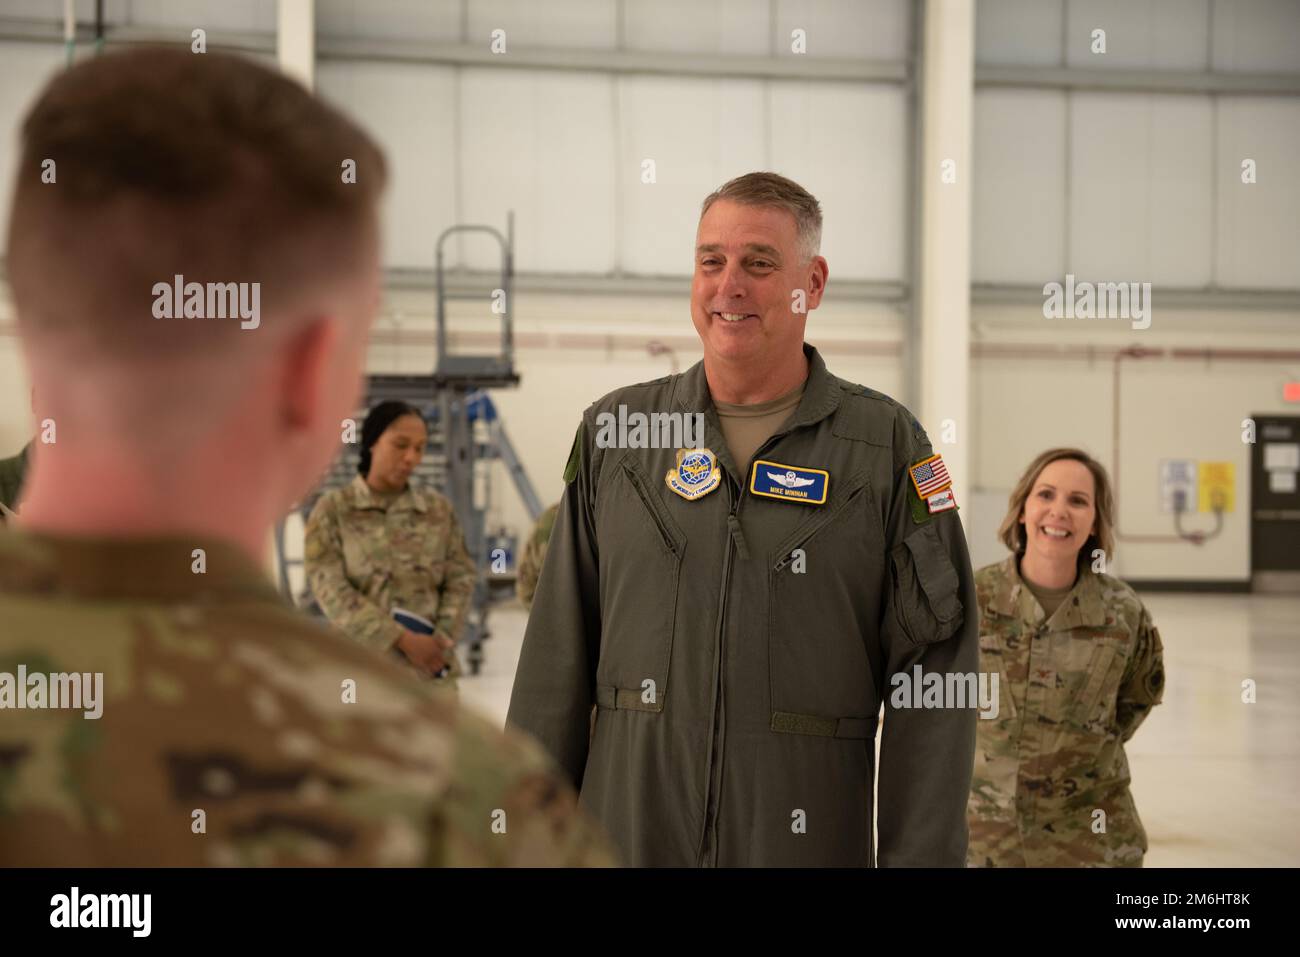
<point x="789" y="483"/>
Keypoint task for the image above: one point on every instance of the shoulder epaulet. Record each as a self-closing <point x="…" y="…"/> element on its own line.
<point x="575" y="456"/>
<point x="873" y="394"/>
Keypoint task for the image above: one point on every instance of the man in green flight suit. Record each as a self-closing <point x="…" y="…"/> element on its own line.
<point x="737" y="610"/>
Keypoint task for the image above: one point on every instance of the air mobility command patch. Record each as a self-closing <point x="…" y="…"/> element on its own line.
<point x="696" y="474"/>
<point x="931" y="489"/>
<point x="790" y="483"/>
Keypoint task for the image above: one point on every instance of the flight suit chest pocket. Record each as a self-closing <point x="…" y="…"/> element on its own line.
<point x="926" y="587"/>
<point x="818" y="611"/>
<point x="639" y="581"/>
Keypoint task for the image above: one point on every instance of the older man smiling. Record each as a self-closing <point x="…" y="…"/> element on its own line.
<point x="734" y="610"/>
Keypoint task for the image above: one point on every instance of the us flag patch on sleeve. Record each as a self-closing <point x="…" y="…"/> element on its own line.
<point x="931" y="489"/>
<point x="929" y="476"/>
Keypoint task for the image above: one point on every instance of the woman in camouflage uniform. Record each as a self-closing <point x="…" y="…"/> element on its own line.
<point x="383" y="542"/>
<point x="1079" y="666"/>
<point x="530" y="563"/>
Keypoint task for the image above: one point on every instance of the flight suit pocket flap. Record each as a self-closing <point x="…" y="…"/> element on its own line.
<point x="638" y="594"/>
<point x="927" y="587"/>
<point x="844" y="497"/>
<point x="658" y="515"/>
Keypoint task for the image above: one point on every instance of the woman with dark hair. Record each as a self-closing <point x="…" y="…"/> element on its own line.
<point x="1079" y="666"/>
<point x="384" y="543"/>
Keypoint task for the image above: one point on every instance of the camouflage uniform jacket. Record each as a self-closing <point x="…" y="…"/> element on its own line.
<point x="364" y="558"/>
<point x="530" y="563"/>
<point x="219" y="698"/>
<point x="1072" y="690"/>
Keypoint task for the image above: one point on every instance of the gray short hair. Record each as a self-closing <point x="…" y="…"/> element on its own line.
<point x="773" y="189"/>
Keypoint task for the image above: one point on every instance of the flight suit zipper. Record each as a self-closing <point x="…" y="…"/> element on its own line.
<point x="807" y="535"/>
<point x="735" y="543"/>
<point x="648" y="500"/>
<point x="858" y="486"/>
<point x="708" y="846"/>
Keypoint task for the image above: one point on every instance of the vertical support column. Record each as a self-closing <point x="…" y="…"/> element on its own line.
<point x="295" y="43"/>
<point x="944" y="181"/>
<point x="296" y="40"/>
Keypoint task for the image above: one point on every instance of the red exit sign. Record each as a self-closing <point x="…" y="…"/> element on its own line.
<point x="1291" y="392"/>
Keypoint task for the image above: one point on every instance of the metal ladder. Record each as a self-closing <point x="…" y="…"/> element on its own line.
<point x="465" y="436"/>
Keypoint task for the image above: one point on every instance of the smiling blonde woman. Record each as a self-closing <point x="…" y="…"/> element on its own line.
<point x="1080" y="666"/>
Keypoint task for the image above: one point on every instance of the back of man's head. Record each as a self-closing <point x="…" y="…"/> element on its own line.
<point x="139" y="166"/>
<point x="178" y="220"/>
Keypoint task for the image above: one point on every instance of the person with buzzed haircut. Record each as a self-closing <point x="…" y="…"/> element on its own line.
<point x="231" y="730"/>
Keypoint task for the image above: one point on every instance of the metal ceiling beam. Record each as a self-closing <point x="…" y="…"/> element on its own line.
<point x="1173" y="298"/>
<point x="462" y="281"/>
<point x="400" y="50"/>
<point x="1136" y="81"/>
